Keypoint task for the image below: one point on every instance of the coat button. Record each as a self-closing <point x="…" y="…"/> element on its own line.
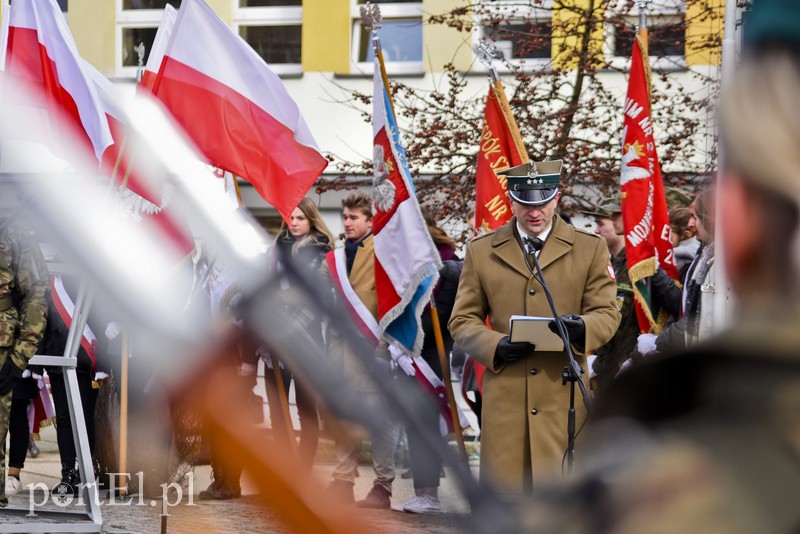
<point x="534" y="371"/>
<point x="532" y="291"/>
<point x="534" y="411"/>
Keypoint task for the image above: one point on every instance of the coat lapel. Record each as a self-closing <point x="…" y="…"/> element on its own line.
<point x="558" y="243"/>
<point x="508" y="249"/>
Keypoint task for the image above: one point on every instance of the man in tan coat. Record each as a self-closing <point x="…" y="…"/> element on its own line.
<point x="358" y="257"/>
<point x="524" y="424"/>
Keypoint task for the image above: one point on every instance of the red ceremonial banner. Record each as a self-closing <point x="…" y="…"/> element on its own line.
<point x="644" y="206"/>
<point x="500" y="147"/>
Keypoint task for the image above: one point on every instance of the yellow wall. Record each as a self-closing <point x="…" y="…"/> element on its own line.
<point x="223" y="9"/>
<point x="441" y="44"/>
<point x="568" y="30"/>
<point x="326" y="36"/>
<point x="92" y="24"/>
<point x="700" y="23"/>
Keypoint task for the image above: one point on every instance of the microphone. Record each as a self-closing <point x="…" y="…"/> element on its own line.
<point x="534" y="244"/>
<point x="572" y="373"/>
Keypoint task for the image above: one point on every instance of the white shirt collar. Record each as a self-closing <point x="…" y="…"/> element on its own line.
<point x="542" y="236"/>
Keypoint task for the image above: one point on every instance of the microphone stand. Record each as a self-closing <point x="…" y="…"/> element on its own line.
<point x="572" y="373"/>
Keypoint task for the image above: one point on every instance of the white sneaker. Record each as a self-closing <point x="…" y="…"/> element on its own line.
<point x="422" y="504"/>
<point x="13" y="485"/>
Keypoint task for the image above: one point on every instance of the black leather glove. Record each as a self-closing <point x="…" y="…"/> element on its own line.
<point x="9" y="375"/>
<point x="576" y="329"/>
<point x="507" y="352"/>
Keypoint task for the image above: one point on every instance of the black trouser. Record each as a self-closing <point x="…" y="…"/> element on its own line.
<point x="306" y="410"/>
<point x="19" y="433"/>
<point x="228" y="469"/>
<point x="66" y="443"/>
<point x="426" y="465"/>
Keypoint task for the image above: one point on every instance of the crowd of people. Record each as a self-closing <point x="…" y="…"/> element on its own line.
<point x="678" y="409"/>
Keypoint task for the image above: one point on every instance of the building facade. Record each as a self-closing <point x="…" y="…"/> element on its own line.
<point x="322" y="52"/>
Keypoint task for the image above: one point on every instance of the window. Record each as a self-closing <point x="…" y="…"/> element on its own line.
<point x="63" y="5"/>
<point x="400" y="34"/>
<point x="137" y="22"/>
<point x="149" y="4"/>
<point x="666" y="37"/>
<point x="274" y="29"/>
<point x="522" y="40"/>
<point x="521" y="34"/>
<point x="131" y="37"/>
<point x="271" y="27"/>
<point x="269" y="3"/>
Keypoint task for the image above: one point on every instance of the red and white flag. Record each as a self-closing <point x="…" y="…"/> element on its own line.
<point x="6" y="9"/>
<point x="644" y="205"/>
<point x="500" y="147"/>
<point x="116" y="160"/>
<point x="41" y="56"/>
<point x="157" y="49"/>
<point x="235" y="109"/>
<point x="66" y="309"/>
<point x="148" y="197"/>
<point x="407" y="262"/>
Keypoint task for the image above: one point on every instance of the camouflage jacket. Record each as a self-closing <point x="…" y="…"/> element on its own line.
<point x="706" y="441"/>
<point x="24" y="284"/>
<point x="611" y="355"/>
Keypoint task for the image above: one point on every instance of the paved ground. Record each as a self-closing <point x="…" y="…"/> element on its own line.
<point x="239" y="515"/>
<point x="245" y="514"/>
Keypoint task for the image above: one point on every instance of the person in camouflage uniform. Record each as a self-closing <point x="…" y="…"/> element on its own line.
<point x="608" y="225"/>
<point x="23" y="316"/>
<point x="664" y="292"/>
<point x="709" y="440"/>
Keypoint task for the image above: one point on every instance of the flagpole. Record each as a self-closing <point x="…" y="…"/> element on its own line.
<point x="235" y="181"/>
<point x="371" y="18"/>
<point x="721" y="295"/>
<point x="123" y="416"/>
<point x="485" y="51"/>
<point x="643" y="22"/>
<point x="500" y="93"/>
<point x="448" y="384"/>
<point x="642" y="37"/>
<point x="123" y="403"/>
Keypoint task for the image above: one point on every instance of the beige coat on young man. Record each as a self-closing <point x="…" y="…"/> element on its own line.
<point x="362" y="280"/>
<point x="524" y="420"/>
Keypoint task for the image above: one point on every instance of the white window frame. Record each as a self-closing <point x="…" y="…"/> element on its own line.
<point x="131" y="18"/>
<point x="242" y="16"/>
<point x="269" y="16"/>
<point x="410" y="10"/>
<point x="517" y="13"/>
<point x="658" y="12"/>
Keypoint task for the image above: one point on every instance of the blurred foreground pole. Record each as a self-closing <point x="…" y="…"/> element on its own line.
<point x="123" y="414"/>
<point x="722" y="305"/>
<point x="216" y="395"/>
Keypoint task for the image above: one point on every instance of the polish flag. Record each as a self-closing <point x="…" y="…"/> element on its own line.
<point x="6" y="8"/>
<point x="235" y="109"/>
<point x="41" y="56"/>
<point x="150" y="197"/>
<point x="407" y="262"/>
<point x="159" y="46"/>
<point x="121" y="169"/>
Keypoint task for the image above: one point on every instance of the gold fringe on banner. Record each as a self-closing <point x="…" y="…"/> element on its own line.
<point x="643" y="269"/>
<point x="500" y="94"/>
